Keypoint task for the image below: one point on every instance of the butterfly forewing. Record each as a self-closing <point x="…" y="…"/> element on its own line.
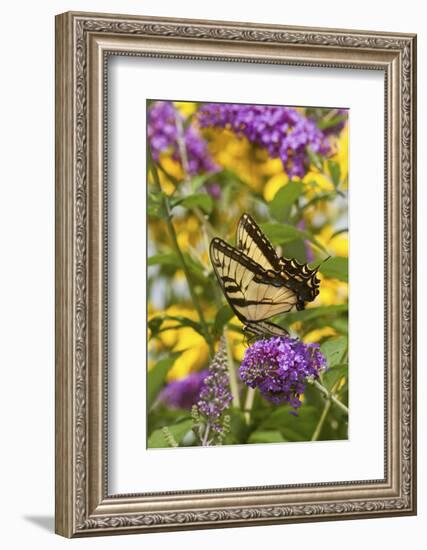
<point x="252" y="242"/>
<point x="246" y="285"/>
<point x="257" y="283"/>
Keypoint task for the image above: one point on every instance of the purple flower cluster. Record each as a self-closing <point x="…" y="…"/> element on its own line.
<point x="163" y="134"/>
<point x="184" y="393"/>
<point x="284" y="132"/>
<point x="280" y="366"/>
<point x="215" y="395"/>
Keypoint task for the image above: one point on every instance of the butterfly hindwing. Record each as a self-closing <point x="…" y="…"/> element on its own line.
<point x="299" y="277"/>
<point x="261" y="329"/>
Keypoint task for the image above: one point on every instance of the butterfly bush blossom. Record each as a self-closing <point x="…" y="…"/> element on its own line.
<point x="163" y="135"/>
<point x="279" y="367"/>
<point x="215" y="395"/>
<point x="184" y="393"/>
<point x="283" y="131"/>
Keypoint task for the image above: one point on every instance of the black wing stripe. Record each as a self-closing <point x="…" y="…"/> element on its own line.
<point x="246" y="286"/>
<point x="237" y="255"/>
<point x="251" y="240"/>
<point x="256" y="282"/>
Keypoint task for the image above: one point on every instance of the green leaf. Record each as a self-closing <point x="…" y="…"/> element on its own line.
<point x="198" y="200"/>
<point x="334" y="350"/>
<point x="320" y="196"/>
<point x="315" y="159"/>
<point x="315" y="313"/>
<point x="195" y="267"/>
<point x="297" y="249"/>
<point x="224" y="315"/>
<point x="280" y="206"/>
<point x="334" y="121"/>
<point x="331" y="377"/>
<point x="157" y="438"/>
<point x="154" y="325"/>
<point x="161" y="415"/>
<point x="340" y="325"/>
<point x="169" y="259"/>
<point x="198" y="181"/>
<point x="266" y="436"/>
<point x="292" y="428"/>
<point x="339" y="232"/>
<point x="293" y="434"/>
<point x="335" y="171"/>
<point x="335" y="268"/>
<point x="155" y="205"/>
<point x="181" y="321"/>
<point x="238" y="427"/>
<point x="281" y="233"/>
<point x="156" y="377"/>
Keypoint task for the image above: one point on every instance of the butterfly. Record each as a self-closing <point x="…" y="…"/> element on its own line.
<point x="257" y="282"/>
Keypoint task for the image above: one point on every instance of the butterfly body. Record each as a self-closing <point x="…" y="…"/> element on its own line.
<point x="257" y="283"/>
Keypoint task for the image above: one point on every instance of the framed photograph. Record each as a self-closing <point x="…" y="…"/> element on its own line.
<point x="235" y="274"/>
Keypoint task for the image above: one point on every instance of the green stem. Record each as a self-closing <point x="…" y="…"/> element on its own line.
<point x="234" y="388"/>
<point x="322" y="419"/>
<point x="193" y="294"/>
<point x="199" y="214"/>
<point x="207" y="233"/>
<point x="206" y="435"/>
<point x="249" y="401"/>
<point x="330" y="396"/>
<point x="174" y="238"/>
<point x="182" y="148"/>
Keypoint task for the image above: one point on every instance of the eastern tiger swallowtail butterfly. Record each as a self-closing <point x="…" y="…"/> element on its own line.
<point x="257" y="283"/>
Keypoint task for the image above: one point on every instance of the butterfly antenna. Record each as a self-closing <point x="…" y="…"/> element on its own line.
<point x="323" y="261"/>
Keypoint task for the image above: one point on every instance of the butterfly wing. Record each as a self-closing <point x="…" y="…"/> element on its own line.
<point x="252" y="242"/>
<point x="302" y="279"/>
<point x="253" y="293"/>
<point x="298" y="277"/>
<point x="262" y="329"/>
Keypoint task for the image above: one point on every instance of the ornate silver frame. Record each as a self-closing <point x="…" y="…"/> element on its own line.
<point x="83" y="42"/>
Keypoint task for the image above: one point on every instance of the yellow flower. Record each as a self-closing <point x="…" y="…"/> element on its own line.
<point x="238" y="155"/>
<point x="186" y="108"/>
<point x="273" y="185"/>
<point x="172" y="167"/>
<point x="191" y="359"/>
<point x="194" y="351"/>
<point x="187" y="229"/>
<point x="340" y="145"/>
<point x="323" y="179"/>
<point x="317" y="334"/>
<point x="271" y="167"/>
<point x="236" y="340"/>
<point x="338" y="245"/>
<point x="322" y="182"/>
<point x="332" y="292"/>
